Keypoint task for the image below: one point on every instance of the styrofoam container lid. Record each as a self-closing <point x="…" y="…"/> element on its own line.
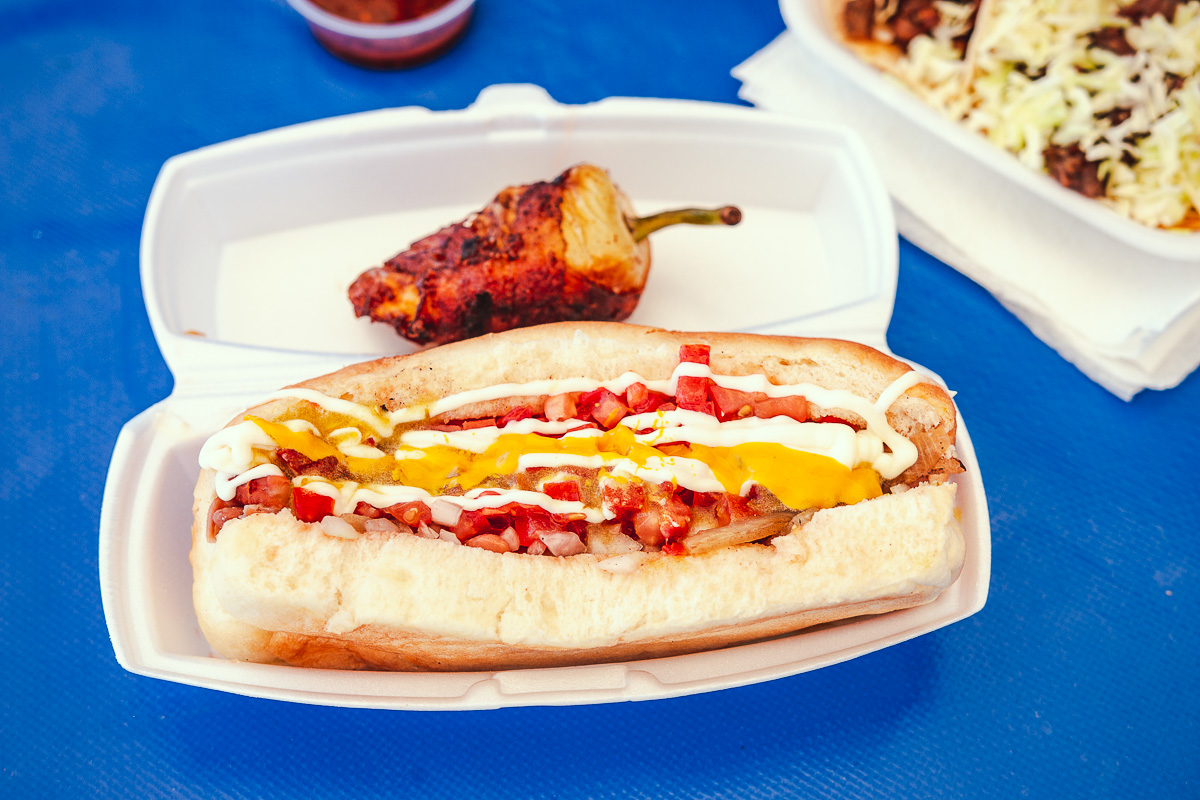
<point x="248" y="248"/>
<point x="809" y="22"/>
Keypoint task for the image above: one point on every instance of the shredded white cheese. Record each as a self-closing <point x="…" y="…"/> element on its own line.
<point x="1037" y="79"/>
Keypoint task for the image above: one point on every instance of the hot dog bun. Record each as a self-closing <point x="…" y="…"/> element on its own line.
<point x="273" y="589"/>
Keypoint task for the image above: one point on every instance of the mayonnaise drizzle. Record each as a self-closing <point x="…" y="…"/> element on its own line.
<point x="347" y="495"/>
<point x="238" y="453"/>
<point x="226" y="485"/>
<point x="690" y="473"/>
<point x="384" y="423"/>
<point x="476" y="440"/>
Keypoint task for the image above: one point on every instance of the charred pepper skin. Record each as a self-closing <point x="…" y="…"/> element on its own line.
<point x="552" y="251"/>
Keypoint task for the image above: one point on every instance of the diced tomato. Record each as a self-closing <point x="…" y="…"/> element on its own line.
<point x="674" y="549"/>
<point x="531" y="522"/>
<point x="636" y="395"/>
<point x="367" y="510"/>
<point x="489" y="541"/>
<point x="500" y="517"/>
<point x="732" y="508"/>
<point x="609" y="410"/>
<point x="562" y="490"/>
<point x="695" y="499"/>
<point x="666" y="520"/>
<point x="794" y="407"/>
<point x="838" y="420"/>
<point x="311" y="506"/>
<point x="515" y="415"/>
<point x="272" y="491"/>
<point x="647" y="527"/>
<point x="411" y="514"/>
<point x="470" y="524"/>
<point x="220" y="512"/>
<point x="559" y="407"/>
<point x="294" y="460"/>
<point x="694" y="353"/>
<point x="469" y="424"/>
<point x="497" y="511"/>
<point x="624" y="499"/>
<point x="223" y="515"/>
<point x="586" y="402"/>
<point x="691" y="394"/>
<point x="732" y="403"/>
<point x="641" y="400"/>
<point x="676" y="518"/>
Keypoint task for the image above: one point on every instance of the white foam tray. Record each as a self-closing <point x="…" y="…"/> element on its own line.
<point x="809" y="22"/>
<point x="247" y="250"/>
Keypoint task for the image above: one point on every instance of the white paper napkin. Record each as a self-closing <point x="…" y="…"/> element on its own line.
<point x="1126" y="319"/>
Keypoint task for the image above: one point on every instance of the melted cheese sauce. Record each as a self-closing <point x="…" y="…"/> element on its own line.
<point x="805" y="464"/>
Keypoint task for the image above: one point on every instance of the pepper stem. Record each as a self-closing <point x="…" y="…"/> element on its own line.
<point x="641" y="227"/>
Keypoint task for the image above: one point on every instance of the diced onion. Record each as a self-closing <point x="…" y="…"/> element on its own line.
<point x="383" y="524"/>
<point x="357" y="521"/>
<point x="336" y="526"/>
<point x="609" y="540"/>
<point x="445" y="513"/>
<point x="562" y="543"/>
<point x="623" y="564"/>
<point x="510" y="536"/>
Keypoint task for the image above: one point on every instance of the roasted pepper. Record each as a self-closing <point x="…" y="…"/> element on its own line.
<point x="552" y="251"/>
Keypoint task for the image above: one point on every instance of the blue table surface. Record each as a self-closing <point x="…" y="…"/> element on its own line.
<point x="1079" y="677"/>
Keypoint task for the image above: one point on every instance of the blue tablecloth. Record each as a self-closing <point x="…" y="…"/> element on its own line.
<point x="1079" y="678"/>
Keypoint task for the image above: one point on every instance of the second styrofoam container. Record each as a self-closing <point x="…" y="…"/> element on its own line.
<point x="249" y="246"/>
<point x="809" y="22"/>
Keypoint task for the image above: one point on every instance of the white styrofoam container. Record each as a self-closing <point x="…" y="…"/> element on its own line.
<point x="247" y="250"/>
<point x="809" y="22"/>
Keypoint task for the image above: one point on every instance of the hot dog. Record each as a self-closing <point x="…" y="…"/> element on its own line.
<point x="574" y="493"/>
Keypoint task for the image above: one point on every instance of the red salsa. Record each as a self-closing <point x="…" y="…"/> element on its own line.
<point x="380" y="11"/>
<point x="385" y="48"/>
